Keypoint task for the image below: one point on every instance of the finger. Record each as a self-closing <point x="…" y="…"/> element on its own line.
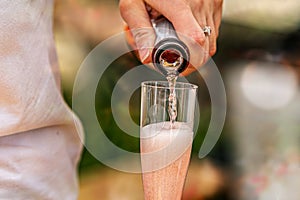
<point x="154" y="14"/>
<point x="188" y="71"/>
<point x="206" y="53"/>
<point x="212" y="37"/>
<point x="136" y="16"/>
<point x="205" y="18"/>
<point x="134" y="13"/>
<point x="129" y="38"/>
<point x="217" y="17"/>
<point x="217" y="21"/>
<point x="201" y="19"/>
<point x="181" y="17"/>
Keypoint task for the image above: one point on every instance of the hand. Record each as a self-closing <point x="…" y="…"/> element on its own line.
<point x="187" y="16"/>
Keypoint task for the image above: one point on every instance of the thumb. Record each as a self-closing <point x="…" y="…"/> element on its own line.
<point x="136" y="16"/>
<point x="144" y="40"/>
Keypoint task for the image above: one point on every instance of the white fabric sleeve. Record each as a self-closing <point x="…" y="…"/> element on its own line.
<point x="39" y="135"/>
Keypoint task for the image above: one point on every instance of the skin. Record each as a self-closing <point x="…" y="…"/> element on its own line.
<point x="188" y="18"/>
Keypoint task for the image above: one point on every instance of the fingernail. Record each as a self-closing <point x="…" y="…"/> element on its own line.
<point x="144" y="54"/>
<point x="144" y="39"/>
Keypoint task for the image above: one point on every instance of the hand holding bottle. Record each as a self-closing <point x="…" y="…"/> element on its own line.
<point x="189" y="18"/>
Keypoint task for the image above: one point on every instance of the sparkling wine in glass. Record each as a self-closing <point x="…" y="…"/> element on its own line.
<point x="165" y="141"/>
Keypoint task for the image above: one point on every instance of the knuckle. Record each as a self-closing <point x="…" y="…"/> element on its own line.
<point x="196" y="5"/>
<point x="182" y="10"/>
<point x="197" y="36"/>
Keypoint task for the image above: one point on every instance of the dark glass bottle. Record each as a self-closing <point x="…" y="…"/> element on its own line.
<point x="170" y="55"/>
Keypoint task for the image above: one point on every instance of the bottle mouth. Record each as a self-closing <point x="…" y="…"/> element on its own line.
<point x="170" y="56"/>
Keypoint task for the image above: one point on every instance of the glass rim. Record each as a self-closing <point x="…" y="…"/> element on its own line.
<point x="165" y="85"/>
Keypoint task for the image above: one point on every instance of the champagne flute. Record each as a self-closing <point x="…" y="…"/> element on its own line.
<point x="165" y="145"/>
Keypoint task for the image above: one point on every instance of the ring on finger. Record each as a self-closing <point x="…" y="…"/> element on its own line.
<point x="207" y="30"/>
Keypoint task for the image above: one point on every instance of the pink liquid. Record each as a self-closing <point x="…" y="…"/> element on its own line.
<point x="170" y="155"/>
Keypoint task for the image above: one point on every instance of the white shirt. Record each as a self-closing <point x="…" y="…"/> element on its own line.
<point x="39" y="141"/>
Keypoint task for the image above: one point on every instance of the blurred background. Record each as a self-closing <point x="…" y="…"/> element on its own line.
<point x="258" y="154"/>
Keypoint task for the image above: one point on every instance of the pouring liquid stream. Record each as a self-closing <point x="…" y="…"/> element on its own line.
<point x="172" y="107"/>
<point x="170" y="61"/>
